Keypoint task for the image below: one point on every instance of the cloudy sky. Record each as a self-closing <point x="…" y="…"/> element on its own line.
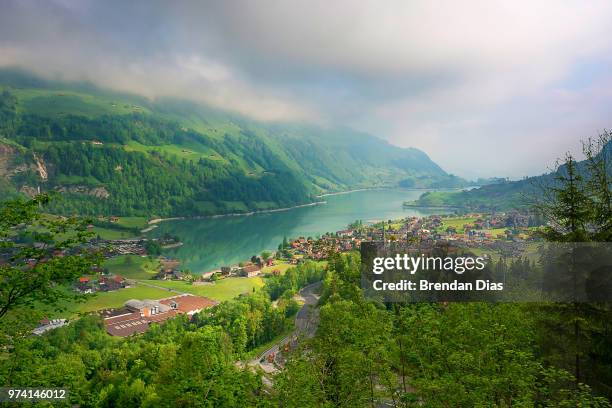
<point x="484" y="87"/>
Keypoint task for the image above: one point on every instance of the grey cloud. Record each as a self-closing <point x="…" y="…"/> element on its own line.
<point x="456" y="79"/>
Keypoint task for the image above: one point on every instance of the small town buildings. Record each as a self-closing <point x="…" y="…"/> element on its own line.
<point x="188" y="304"/>
<point x="169" y="269"/>
<point x="250" y="270"/>
<point x="127" y="324"/>
<point x="46" y="325"/>
<point x="146" y="307"/>
<point x="108" y="283"/>
<point x="138" y="315"/>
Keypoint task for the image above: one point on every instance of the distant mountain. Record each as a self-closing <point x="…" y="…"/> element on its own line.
<point x="503" y="195"/>
<point x="109" y="153"/>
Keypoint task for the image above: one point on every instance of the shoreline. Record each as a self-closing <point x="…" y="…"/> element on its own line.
<point x="425" y="189"/>
<point x="352" y="191"/>
<point x="432" y="207"/>
<point x="199" y="217"/>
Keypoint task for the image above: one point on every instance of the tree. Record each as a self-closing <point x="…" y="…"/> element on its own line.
<point x="598" y="154"/>
<point x="566" y="205"/>
<point x="41" y="253"/>
<point x="153" y="248"/>
<point x="577" y="209"/>
<point x="265" y="255"/>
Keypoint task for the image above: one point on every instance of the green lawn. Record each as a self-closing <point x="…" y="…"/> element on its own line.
<point x="48" y="102"/>
<point x="481" y="251"/>
<point x="224" y="289"/>
<point x="102" y="300"/>
<point x="132" y="266"/>
<point x="107" y="233"/>
<point x="133" y="222"/>
<point x="457" y="223"/>
<point x="496" y="231"/>
<point x="282" y="266"/>
<point x="189" y="152"/>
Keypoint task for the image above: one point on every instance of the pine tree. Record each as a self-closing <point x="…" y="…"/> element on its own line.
<point x="577" y="209"/>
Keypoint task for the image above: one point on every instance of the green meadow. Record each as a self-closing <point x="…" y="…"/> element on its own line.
<point x="223" y="289"/>
<point x="84" y="304"/>
<point x="132" y="266"/>
<point x="46" y="102"/>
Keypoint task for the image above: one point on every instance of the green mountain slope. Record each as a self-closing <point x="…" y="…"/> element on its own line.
<point x="504" y="195"/>
<point x="118" y="154"/>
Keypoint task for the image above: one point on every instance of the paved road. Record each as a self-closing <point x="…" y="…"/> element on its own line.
<point x="306" y="322"/>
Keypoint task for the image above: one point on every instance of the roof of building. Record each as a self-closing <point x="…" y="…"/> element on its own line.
<point x="188" y="303"/>
<point x="251" y="268"/>
<point x="136" y="304"/>
<point x="106" y="313"/>
<point x="126" y="325"/>
<point x="132" y="323"/>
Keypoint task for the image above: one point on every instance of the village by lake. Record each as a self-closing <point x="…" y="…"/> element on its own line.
<point x="210" y="243"/>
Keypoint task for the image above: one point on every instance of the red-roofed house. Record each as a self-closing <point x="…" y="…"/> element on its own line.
<point x="188" y="304"/>
<point x="250" y="270"/>
<point x="138" y="315"/>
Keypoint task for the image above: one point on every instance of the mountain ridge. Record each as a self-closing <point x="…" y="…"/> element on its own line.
<point x="181" y="158"/>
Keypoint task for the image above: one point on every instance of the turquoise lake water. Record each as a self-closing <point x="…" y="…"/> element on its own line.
<point x="210" y="243"/>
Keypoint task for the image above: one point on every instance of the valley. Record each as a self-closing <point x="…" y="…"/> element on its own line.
<point x="119" y="155"/>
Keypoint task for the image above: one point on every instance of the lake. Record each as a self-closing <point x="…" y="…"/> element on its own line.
<point x="210" y="243"/>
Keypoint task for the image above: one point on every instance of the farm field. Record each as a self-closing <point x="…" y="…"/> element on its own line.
<point x="108" y="233"/>
<point x="132" y="266"/>
<point x="224" y="289"/>
<point x="132" y="222"/>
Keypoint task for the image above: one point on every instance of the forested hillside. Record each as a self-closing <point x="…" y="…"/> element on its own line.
<point x="122" y="155"/>
<point x="506" y="195"/>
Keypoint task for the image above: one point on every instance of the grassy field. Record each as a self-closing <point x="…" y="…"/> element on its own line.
<point x="481" y="251"/>
<point x="224" y="289"/>
<point x="107" y="233"/>
<point x="457" y="223"/>
<point x="496" y="232"/>
<point x="189" y="152"/>
<point x="132" y="266"/>
<point x="102" y="300"/>
<point x="46" y="102"/>
<point x="133" y="222"/>
<point x="281" y="266"/>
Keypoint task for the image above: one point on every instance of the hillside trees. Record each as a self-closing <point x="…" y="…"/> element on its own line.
<point x="578" y="209"/>
<point x="30" y="243"/>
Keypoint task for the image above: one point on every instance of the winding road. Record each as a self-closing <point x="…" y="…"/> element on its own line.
<point x="306" y="322"/>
